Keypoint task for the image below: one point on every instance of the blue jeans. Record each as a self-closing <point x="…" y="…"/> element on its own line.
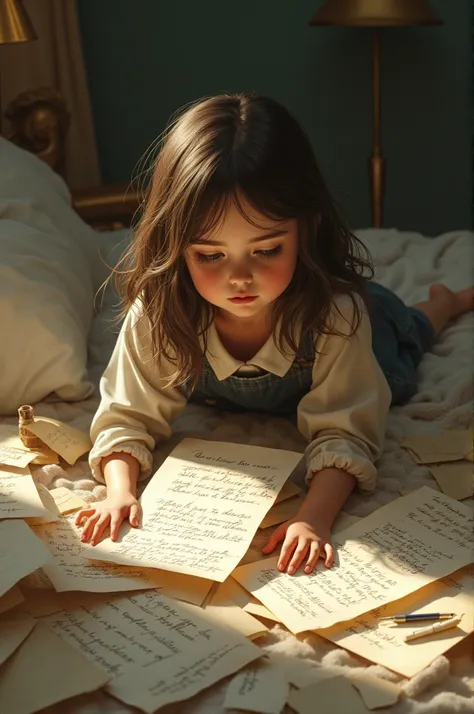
<point x="400" y="337"/>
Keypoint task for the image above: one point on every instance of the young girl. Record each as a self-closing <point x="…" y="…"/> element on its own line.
<point x="245" y="290"/>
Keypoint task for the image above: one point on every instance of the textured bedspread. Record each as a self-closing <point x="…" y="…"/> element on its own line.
<point x="407" y="263"/>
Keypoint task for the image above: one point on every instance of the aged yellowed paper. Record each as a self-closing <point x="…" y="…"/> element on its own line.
<point x="156" y="649"/>
<point x="454" y="478"/>
<point x="14" y="628"/>
<point x="450" y="445"/>
<point x="333" y="696"/>
<point x="63" y="673"/>
<point x="21" y="553"/>
<point x="19" y="497"/>
<point x="396" y="550"/>
<point x="282" y="511"/>
<point x="223" y="607"/>
<point x="288" y="490"/>
<point x="11" y="598"/>
<point x="202" y="508"/>
<point x="65" y="440"/>
<point x="384" y="643"/>
<point x="69" y="571"/>
<point x="258" y="688"/>
<point x="375" y="691"/>
<point x="66" y="500"/>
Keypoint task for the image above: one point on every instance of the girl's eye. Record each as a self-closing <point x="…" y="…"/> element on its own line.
<point x="205" y="258"/>
<point x="271" y="253"/>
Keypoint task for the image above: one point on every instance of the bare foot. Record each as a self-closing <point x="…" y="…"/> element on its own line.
<point x="445" y="305"/>
<point x="459" y="302"/>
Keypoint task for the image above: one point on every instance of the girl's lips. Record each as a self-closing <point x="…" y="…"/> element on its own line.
<point x="243" y="299"/>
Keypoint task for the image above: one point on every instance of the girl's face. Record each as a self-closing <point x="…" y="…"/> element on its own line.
<point x="241" y="269"/>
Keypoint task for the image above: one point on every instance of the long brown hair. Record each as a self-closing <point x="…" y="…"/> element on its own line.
<point x="224" y="149"/>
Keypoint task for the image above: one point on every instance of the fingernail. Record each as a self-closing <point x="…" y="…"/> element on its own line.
<point x="291" y="569"/>
<point x="281" y="566"/>
<point x="307" y="570"/>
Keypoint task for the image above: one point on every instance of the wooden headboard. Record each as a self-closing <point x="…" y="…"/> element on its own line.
<point x="39" y="123"/>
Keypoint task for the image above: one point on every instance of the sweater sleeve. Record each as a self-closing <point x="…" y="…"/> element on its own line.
<point x="343" y="416"/>
<point x="137" y="406"/>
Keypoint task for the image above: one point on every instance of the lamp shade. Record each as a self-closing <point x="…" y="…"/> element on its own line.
<point x="15" y="25"/>
<point x="375" y="13"/>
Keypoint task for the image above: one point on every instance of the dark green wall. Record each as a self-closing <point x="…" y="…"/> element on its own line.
<point x="147" y="58"/>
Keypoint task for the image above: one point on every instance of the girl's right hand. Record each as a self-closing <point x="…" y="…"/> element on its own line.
<point x="110" y="512"/>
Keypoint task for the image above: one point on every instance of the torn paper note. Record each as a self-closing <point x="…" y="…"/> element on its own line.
<point x="329" y="696"/>
<point x="65" y="440"/>
<point x="156" y="649"/>
<point x="14" y="629"/>
<point x="258" y="688"/>
<point x="202" y="508"/>
<point x="384" y="642"/>
<point x="396" y="550"/>
<point x="234" y="591"/>
<point x="21" y="553"/>
<point x="288" y="490"/>
<point x="454" y="478"/>
<point x="224" y="608"/>
<point x="66" y="500"/>
<point x="11" y="599"/>
<point x="64" y="673"/>
<point x="375" y="691"/>
<point x="58" y="501"/>
<point x="70" y="571"/>
<point x="282" y="511"/>
<point x="449" y="445"/>
<point x="184" y="587"/>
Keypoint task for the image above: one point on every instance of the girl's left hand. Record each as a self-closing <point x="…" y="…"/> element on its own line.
<point x="302" y="540"/>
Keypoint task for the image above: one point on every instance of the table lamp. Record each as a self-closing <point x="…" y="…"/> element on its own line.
<point x="375" y="14"/>
<point x="15" y="26"/>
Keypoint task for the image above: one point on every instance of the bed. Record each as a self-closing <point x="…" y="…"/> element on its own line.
<point x="406" y="262"/>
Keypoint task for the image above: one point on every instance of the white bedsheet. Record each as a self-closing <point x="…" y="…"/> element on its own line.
<point x="407" y="263"/>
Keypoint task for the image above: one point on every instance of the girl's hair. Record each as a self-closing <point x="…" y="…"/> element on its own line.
<point x="236" y="148"/>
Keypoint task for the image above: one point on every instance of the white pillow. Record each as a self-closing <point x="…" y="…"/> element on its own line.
<point x="48" y="264"/>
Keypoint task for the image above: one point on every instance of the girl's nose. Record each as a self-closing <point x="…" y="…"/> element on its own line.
<point x="240" y="276"/>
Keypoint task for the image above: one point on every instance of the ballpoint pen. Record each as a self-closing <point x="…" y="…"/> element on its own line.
<point x="420" y="617"/>
<point x="432" y="629"/>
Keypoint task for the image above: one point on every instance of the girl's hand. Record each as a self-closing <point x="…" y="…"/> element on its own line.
<point x="302" y="540"/>
<point x="110" y="512"/>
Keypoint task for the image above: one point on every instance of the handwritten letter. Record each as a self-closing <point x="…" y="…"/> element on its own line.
<point x="399" y="548"/>
<point x="69" y="571"/>
<point x="260" y="688"/>
<point x="26" y="687"/>
<point x="383" y="642"/>
<point x="19" y="497"/>
<point x="156" y="650"/>
<point x="202" y="508"/>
